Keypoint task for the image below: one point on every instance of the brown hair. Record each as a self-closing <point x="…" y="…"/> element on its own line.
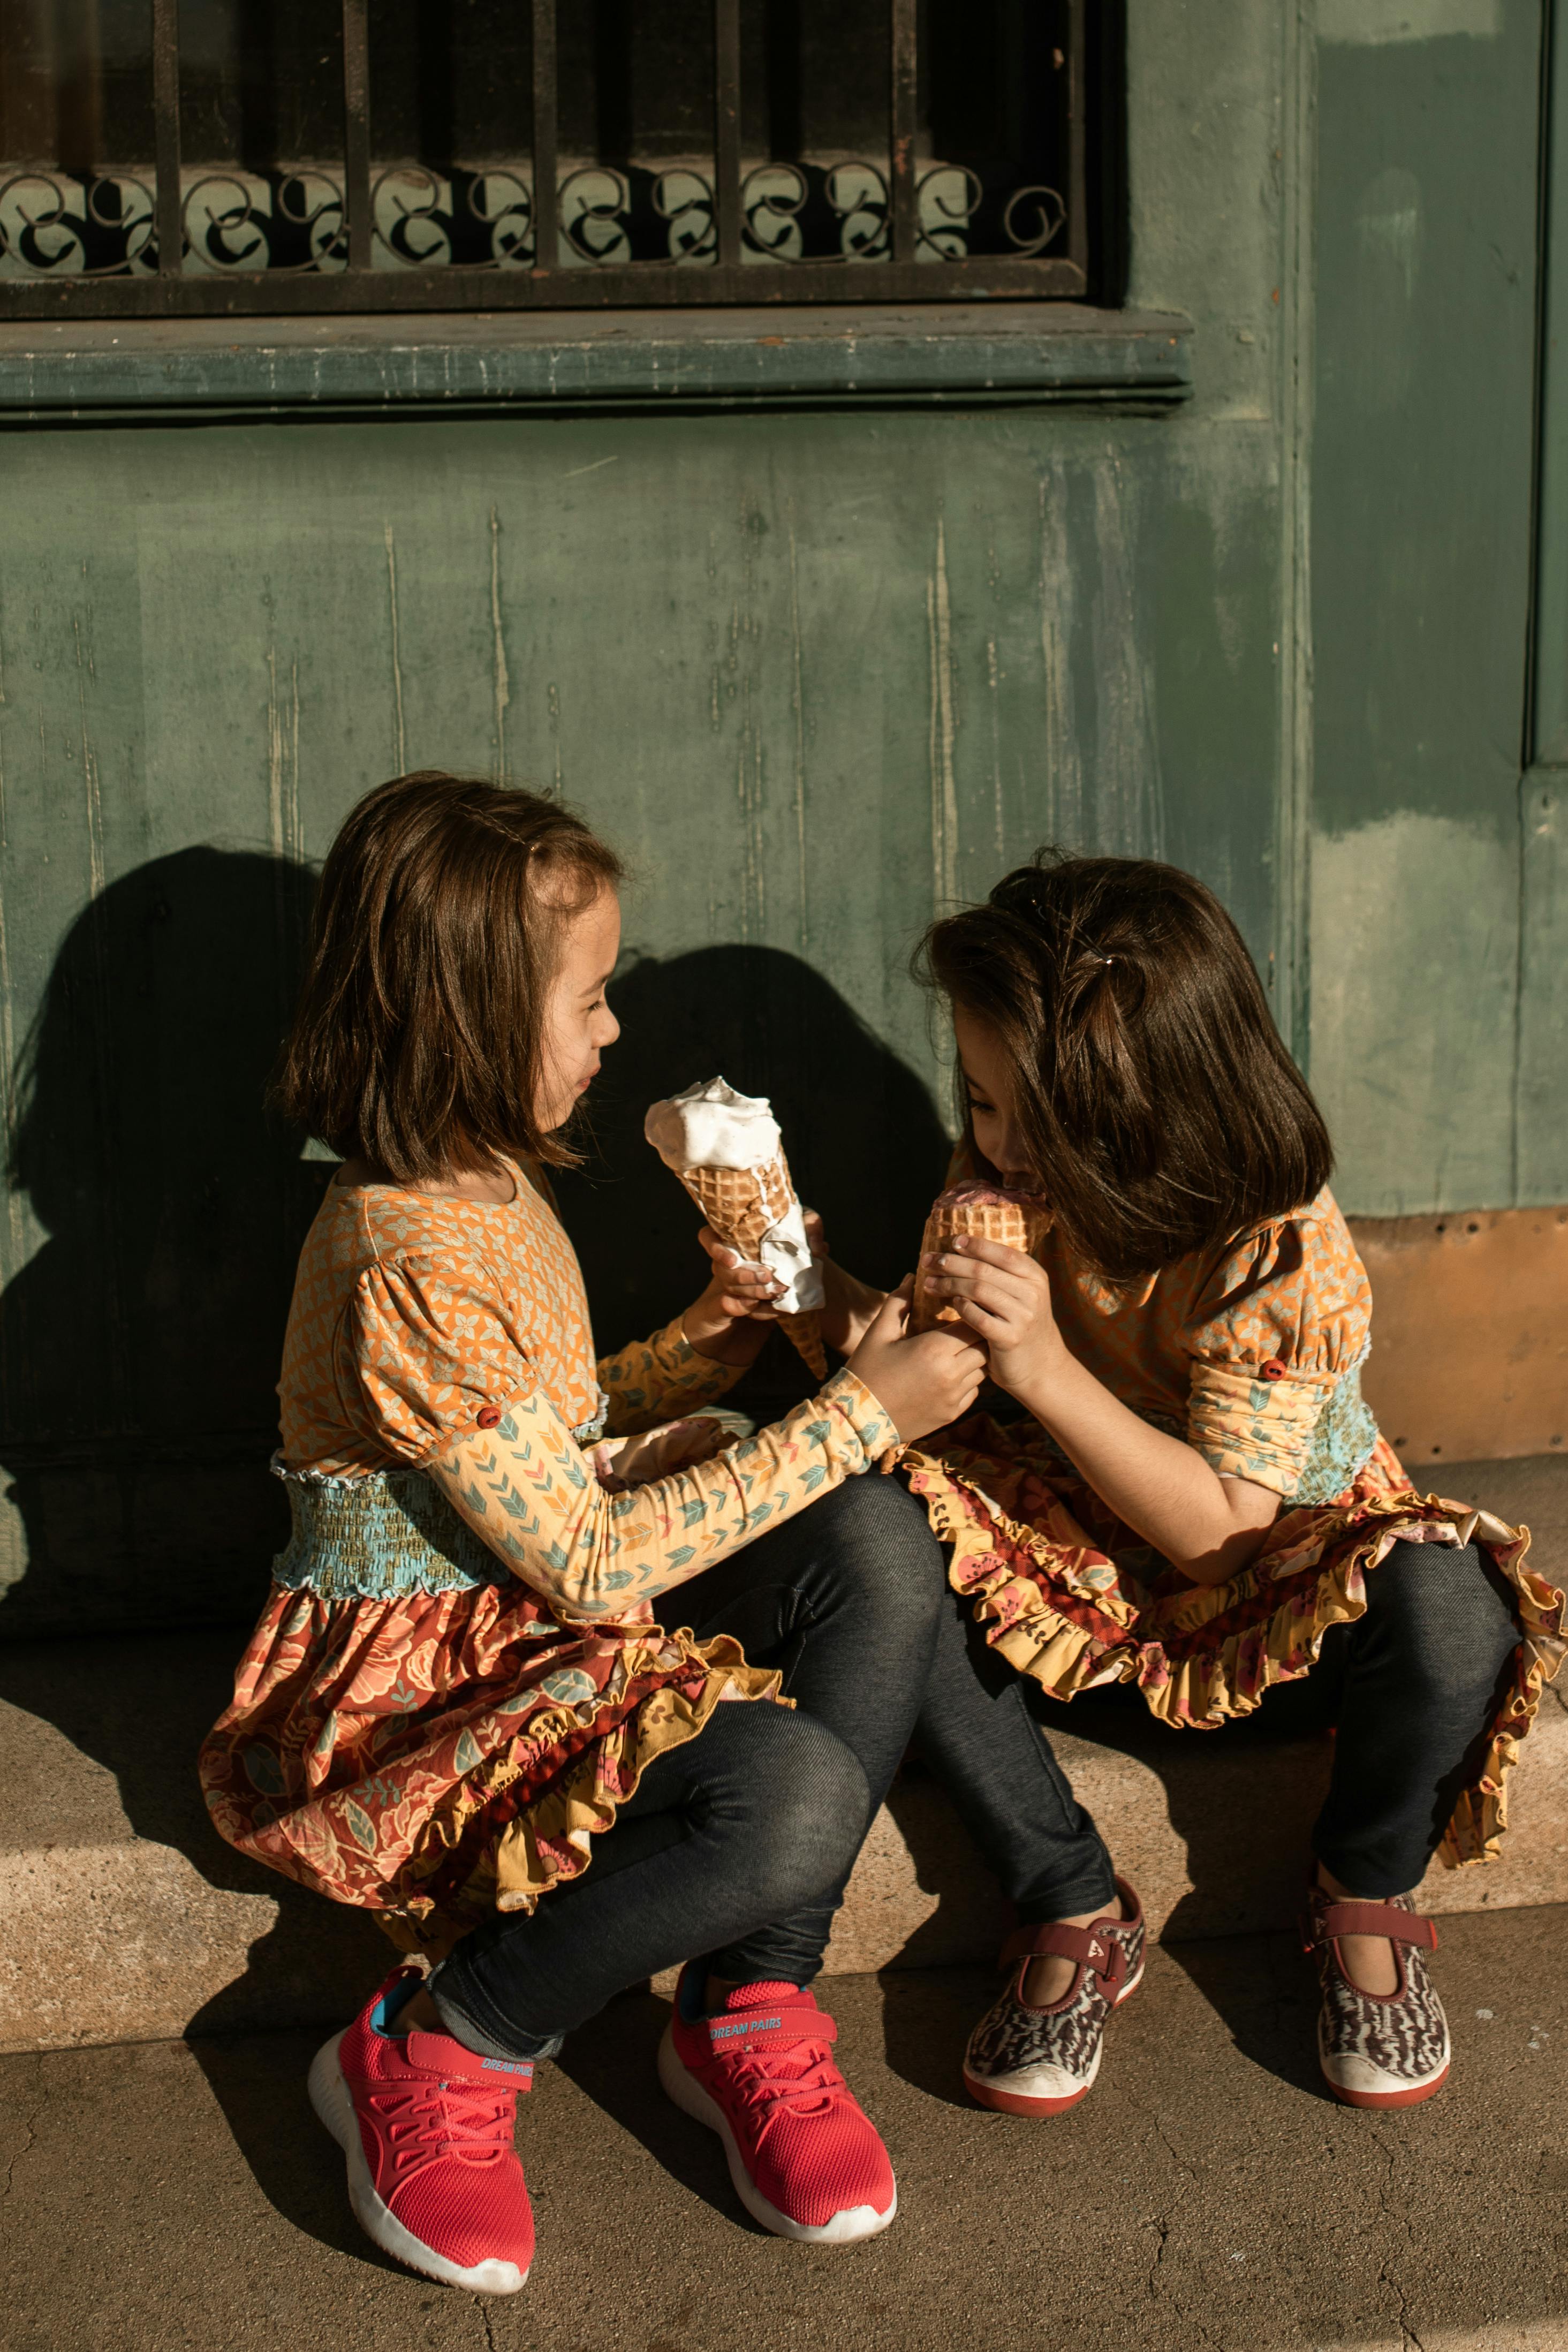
<point x="1159" y="1108"/>
<point x="418" y="1036"/>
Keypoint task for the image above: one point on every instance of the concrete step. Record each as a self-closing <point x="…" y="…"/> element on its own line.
<point x="1208" y="2192"/>
<point x="127" y="1918"/>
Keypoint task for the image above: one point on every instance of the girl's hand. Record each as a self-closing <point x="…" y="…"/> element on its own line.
<point x="851" y="1307"/>
<point x="922" y="1380"/>
<point x="623" y="1462"/>
<point x="729" y="1321"/>
<point x="1005" y="1298"/>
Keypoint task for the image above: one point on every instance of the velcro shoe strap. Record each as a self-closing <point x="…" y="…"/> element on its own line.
<point x="1336" y="1919"/>
<point x="1088" y="1947"/>
<point x="511" y="2074"/>
<point x="771" y="2025"/>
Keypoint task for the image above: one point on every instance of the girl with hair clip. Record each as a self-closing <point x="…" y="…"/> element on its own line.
<point x="520" y="1576"/>
<point x="1195" y="1500"/>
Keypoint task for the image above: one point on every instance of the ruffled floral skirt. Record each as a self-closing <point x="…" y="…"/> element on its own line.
<point x="1067" y="1594"/>
<point x="433" y="1756"/>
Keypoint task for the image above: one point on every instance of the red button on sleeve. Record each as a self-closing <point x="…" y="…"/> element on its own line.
<point x="489" y="1415"/>
<point x="1271" y="1370"/>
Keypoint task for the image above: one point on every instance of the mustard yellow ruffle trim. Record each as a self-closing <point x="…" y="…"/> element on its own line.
<point x="575" y="1808"/>
<point x="1199" y="1693"/>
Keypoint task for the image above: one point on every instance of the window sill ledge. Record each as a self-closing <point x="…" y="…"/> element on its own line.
<point x="920" y="353"/>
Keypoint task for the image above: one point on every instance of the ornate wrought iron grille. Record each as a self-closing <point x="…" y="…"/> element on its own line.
<point x="549" y="226"/>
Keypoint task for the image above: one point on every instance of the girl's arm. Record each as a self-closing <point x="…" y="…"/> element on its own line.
<point x="1208" y="1526"/>
<point x="527" y="1490"/>
<point x="697" y="1358"/>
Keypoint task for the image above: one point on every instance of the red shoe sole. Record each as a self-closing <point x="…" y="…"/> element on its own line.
<point x="1011" y="2103"/>
<point x="1412" y="2098"/>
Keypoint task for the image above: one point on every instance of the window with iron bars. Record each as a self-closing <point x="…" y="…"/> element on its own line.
<point x="184" y="157"/>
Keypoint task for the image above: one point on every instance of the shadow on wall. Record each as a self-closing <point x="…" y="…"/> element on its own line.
<point x="865" y="1146"/>
<point x="139" y="1347"/>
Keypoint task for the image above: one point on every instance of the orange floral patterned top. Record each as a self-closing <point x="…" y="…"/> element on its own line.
<point x="458" y="1675"/>
<point x="1251" y="1352"/>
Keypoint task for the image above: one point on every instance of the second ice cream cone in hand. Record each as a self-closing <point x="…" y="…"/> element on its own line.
<point x="727" y="1150"/>
<point x="1018" y="1220"/>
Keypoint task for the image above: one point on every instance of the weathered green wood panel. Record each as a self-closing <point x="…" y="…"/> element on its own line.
<point x="1427" y="197"/>
<point x="816" y="670"/>
<point x="816" y="675"/>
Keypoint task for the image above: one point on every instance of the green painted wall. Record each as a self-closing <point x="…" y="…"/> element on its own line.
<point x="816" y="670"/>
<point x="1422" y="466"/>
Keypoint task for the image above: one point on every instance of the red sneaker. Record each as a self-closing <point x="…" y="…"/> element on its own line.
<point x="805" y="2158"/>
<point x="426" y="2127"/>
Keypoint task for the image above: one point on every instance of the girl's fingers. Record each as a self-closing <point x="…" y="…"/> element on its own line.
<point x="994" y="1253"/>
<point x="1000" y="1290"/>
<point x="980" y="1318"/>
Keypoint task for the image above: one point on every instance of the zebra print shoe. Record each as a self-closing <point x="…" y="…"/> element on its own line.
<point x="1040" y="2062"/>
<point x="1377" y="2050"/>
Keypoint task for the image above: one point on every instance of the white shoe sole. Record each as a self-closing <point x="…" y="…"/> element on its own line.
<point x="1042" y="2090"/>
<point x="1359" y="2082"/>
<point x="845" y="2229"/>
<point x="331" y="2098"/>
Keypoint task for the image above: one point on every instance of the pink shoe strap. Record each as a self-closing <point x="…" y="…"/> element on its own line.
<point x="1326" y="1923"/>
<point x="1088" y="1947"/>
<point x="770" y="2025"/>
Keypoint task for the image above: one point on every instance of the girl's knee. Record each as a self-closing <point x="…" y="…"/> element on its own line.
<point x="885" y="1537"/>
<point x="1448" y="1612"/>
<point x="815" y="1803"/>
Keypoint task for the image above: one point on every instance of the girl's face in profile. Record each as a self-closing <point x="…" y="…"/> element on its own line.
<point x="579" y="1024"/>
<point x="989" y="1080"/>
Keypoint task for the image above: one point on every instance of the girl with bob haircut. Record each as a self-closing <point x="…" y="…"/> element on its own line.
<point x="1194" y="1501"/>
<point x="520" y="1576"/>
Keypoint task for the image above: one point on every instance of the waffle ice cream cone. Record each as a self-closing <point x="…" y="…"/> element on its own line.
<point x="727" y="1150"/>
<point x="744" y="1205"/>
<point x="1018" y="1220"/>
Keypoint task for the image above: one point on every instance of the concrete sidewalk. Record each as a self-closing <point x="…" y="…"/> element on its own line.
<point x="1207" y="2194"/>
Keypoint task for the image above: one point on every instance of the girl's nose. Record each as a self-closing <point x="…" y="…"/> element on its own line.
<point x="1012" y="1161"/>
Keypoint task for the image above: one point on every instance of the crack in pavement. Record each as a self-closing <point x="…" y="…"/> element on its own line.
<point x="30" y="2126"/>
<point x="1189" y="2319"/>
<point x="1387" y="2276"/>
<point x="483" y="2308"/>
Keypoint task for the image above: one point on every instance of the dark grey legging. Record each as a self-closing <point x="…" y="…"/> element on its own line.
<point x="738" y="1844"/>
<point x="1412" y="1688"/>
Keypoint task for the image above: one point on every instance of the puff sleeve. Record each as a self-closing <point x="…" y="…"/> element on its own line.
<point x="1280" y="1321"/>
<point x="422" y="1348"/>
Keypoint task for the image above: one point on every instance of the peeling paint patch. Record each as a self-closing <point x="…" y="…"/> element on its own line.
<point x="1374" y="24"/>
<point x="798" y="708"/>
<point x="499" y="657"/>
<point x="400" y="755"/>
<point x="943" y="730"/>
<point x="1415" y="933"/>
<point x="283" y="764"/>
<point x="1129" y="813"/>
<point x="1063" y="764"/>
